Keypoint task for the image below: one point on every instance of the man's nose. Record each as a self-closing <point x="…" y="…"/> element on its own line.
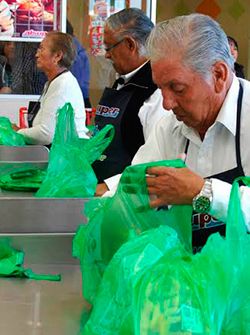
<point x="169" y="102"/>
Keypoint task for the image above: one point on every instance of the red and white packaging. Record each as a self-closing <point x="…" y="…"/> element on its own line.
<point x="23" y="117"/>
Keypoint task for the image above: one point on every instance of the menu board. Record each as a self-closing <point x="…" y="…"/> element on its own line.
<point x="28" y="19"/>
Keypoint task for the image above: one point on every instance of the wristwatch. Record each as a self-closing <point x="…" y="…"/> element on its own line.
<point x="202" y="201"/>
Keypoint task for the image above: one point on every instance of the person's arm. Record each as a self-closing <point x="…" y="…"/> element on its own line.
<point x="171" y="186"/>
<point x="43" y="131"/>
<point x="63" y="89"/>
<point x="101" y="189"/>
<point x="148" y="152"/>
<point x="221" y="194"/>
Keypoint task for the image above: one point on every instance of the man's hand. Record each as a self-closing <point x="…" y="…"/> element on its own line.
<point x="172" y="186"/>
<point x="101" y="189"/>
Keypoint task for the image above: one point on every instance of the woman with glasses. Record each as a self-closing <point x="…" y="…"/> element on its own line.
<point x="54" y="57"/>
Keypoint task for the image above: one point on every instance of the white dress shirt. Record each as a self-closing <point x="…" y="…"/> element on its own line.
<point x="216" y="153"/>
<point x="62" y="89"/>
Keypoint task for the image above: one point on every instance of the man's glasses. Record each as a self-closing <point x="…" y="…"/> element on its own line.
<point x="107" y="49"/>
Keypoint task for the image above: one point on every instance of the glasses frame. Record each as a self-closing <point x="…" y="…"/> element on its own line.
<point x="113" y="45"/>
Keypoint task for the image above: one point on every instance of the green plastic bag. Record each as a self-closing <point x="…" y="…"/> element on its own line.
<point x="114" y="221"/>
<point x="27" y="177"/>
<point x="8" y="136"/>
<point x="113" y="310"/>
<point x="11" y="261"/>
<point x="69" y="171"/>
<point x="153" y="285"/>
<point x="206" y="293"/>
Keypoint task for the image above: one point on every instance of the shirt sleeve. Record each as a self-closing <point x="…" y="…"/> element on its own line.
<point x="43" y="132"/>
<point x="151" y="112"/>
<point x="151" y="151"/>
<point x="43" y="129"/>
<point x="221" y="194"/>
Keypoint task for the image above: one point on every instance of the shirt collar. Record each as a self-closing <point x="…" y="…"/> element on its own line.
<point x="228" y="112"/>
<point x="129" y="75"/>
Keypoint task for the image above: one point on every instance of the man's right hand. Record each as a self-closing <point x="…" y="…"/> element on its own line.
<point x="101" y="189"/>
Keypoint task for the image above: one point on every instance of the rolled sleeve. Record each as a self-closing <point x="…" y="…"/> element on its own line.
<point x="221" y="195"/>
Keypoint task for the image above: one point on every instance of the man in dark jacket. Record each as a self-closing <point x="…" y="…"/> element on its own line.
<point x="125" y="35"/>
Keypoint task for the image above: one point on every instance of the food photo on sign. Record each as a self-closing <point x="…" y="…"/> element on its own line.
<point x="26" y="18"/>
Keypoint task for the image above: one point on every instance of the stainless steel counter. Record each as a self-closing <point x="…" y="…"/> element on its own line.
<point x="29" y="307"/>
<point x="20" y="213"/>
<point x="43" y="228"/>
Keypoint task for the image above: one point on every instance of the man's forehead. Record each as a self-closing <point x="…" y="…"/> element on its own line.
<point x="168" y="64"/>
<point x="166" y="70"/>
<point x="109" y="34"/>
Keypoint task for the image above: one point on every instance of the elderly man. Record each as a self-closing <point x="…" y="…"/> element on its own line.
<point x="133" y="104"/>
<point x="192" y="65"/>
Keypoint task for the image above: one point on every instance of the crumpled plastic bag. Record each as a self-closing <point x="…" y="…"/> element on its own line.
<point x="155" y="285"/>
<point x="27" y="177"/>
<point x="114" y="221"/>
<point x="113" y="310"/>
<point x="8" y="136"/>
<point x="11" y="262"/>
<point x="205" y="293"/>
<point x="69" y="172"/>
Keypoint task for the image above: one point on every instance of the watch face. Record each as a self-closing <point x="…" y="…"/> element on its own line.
<point x="202" y="204"/>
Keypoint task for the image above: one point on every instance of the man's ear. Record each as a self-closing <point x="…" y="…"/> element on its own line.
<point x="220" y="73"/>
<point x="131" y="43"/>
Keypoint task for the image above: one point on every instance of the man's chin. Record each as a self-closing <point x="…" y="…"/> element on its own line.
<point x="179" y="117"/>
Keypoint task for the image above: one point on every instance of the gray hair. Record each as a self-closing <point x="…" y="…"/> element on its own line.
<point x="131" y="22"/>
<point x="198" y="39"/>
<point x="63" y="42"/>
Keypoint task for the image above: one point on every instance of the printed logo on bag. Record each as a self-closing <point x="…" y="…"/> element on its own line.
<point x="204" y="221"/>
<point x="106" y="111"/>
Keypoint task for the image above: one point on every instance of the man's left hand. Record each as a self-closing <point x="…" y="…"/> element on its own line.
<point x="172" y="186"/>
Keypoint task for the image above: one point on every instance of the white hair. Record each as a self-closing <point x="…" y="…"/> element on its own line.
<point x="198" y="39"/>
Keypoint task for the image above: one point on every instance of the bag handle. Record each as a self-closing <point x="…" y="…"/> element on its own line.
<point x="235" y="219"/>
<point x="133" y="190"/>
<point x="95" y="146"/>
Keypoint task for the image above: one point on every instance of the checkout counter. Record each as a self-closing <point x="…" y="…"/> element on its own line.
<point x="43" y="228"/>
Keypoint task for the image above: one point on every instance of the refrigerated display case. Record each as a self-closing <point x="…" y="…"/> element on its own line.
<point x="30" y="20"/>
